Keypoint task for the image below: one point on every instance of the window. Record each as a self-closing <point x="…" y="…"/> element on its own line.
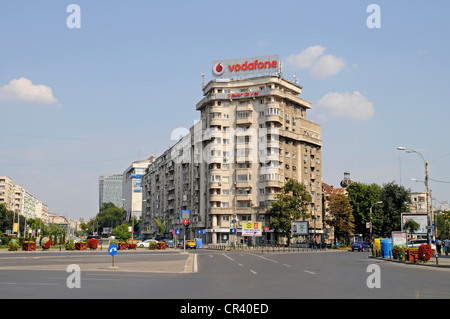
<point x="225" y="205"/>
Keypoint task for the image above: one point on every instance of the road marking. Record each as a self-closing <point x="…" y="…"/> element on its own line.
<point x="241" y="265"/>
<point x="228" y="257"/>
<point x="274" y="261"/>
<point x="310" y="272"/>
<point x="28" y="283"/>
<point x="286" y="265"/>
<point x="254" y="272"/>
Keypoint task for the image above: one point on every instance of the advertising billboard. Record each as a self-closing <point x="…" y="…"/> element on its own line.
<point x="251" y="229"/>
<point x="421" y="219"/>
<point x="246" y="67"/>
<point x="300" y="228"/>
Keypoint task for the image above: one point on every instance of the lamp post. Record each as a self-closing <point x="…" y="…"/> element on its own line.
<point x="379" y="202"/>
<point x="401" y="148"/>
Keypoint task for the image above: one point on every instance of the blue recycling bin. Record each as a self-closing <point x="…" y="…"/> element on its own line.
<point x="386" y="247"/>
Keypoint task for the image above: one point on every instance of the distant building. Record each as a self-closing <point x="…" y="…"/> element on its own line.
<point x="110" y="189"/>
<point x="132" y="187"/>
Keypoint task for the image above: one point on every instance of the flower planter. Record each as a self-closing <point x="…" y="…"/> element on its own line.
<point x="412" y="254"/>
<point x="122" y="246"/>
<point x="28" y="246"/>
<point x="425" y="252"/>
<point x="81" y="245"/>
<point x="131" y="243"/>
<point x="161" y="245"/>
<point x="46" y="244"/>
<point x="93" y="243"/>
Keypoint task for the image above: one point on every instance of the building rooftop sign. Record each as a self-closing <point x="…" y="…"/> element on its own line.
<point x="246" y="67"/>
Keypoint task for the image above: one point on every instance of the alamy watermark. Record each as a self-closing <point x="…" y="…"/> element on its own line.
<point x="74" y="19"/>
<point x="374" y="19"/>
<point x="374" y="279"/>
<point x="74" y="279"/>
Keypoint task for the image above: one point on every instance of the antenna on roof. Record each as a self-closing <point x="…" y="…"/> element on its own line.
<point x="295" y="79"/>
<point x="203" y="80"/>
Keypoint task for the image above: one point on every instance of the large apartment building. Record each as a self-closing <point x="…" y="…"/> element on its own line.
<point x="253" y="136"/>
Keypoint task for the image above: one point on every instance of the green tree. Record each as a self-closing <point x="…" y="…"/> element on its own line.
<point x="396" y="200"/>
<point x="291" y="204"/>
<point x="342" y="218"/>
<point x="121" y="232"/>
<point x="362" y="197"/>
<point x="161" y="226"/>
<point x="6" y="219"/>
<point x="109" y="215"/>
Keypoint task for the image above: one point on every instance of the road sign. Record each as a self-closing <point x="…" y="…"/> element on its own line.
<point x="177" y="231"/>
<point x="112" y="249"/>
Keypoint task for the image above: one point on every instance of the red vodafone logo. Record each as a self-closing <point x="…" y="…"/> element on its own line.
<point x="218" y="68"/>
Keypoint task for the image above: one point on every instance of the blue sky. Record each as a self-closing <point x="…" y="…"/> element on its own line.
<point x="79" y="103"/>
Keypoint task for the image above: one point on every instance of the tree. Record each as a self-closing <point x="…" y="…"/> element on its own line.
<point x="108" y="216"/>
<point x="291" y="204"/>
<point x="341" y="217"/>
<point x="362" y="197"/>
<point x="396" y="200"/>
<point x="161" y="226"/>
<point x="121" y="232"/>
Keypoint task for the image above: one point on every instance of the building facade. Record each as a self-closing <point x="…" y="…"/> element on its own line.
<point x="132" y="187"/>
<point x="110" y="189"/>
<point x="253" y="136"/>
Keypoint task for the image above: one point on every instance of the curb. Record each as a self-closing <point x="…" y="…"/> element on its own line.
<point x="411" y="263"/>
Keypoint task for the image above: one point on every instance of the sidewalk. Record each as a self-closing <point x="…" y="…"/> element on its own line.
<point x="441" y="261"/>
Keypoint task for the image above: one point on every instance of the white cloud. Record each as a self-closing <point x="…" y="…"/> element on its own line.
<point x="354" y="106"/>
<point x="306" y="58"/>
<point x="327" y="66"/>
<point x="321" y="66"/>
<point x="25" y="91"/>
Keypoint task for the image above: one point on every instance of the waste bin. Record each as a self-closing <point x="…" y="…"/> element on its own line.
<point x="386" y="247"/>
<point x="376" y="247"/>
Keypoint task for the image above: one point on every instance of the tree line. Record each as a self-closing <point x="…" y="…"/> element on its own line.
<point x="349" y="214"/>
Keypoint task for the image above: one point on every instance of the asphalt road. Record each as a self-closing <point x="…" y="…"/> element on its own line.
<point x="207" y="274"/>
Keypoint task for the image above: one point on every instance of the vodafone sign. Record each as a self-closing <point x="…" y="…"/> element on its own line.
<point x="247" y="67"/>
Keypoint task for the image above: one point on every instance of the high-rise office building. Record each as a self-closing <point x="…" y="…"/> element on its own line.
<point x="110" y="189"/>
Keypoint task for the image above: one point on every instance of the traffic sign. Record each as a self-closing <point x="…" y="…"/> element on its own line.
<point x="112" y="249"/>
<point x="177" y="231"/>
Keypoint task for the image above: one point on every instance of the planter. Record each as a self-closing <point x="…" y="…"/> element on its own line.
<point x="161" y="245"/>
<point x="28" y="246"/>
<point x="93" y="243"/>
<point x="122" y="246"/>
<point x="13" y="244"/>
<point x="46" y="243"/>
<point x="425" y="252"/>
<point x="131" y="243"/>
<point x="412" y="254"/>
<point x="81" y="245"/>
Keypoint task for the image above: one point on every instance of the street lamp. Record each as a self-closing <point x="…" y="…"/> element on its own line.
<point x="379" y="202"/>
<point x="401" y="148"/>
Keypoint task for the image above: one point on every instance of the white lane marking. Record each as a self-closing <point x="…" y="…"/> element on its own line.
<point x="310" y="272"/>
<point x="228" y="257"/>
<point x="254" y="272"/>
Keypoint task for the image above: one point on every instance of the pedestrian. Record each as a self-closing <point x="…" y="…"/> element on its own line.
<point x="438" y="246"/>
<point x="447" y="246"/>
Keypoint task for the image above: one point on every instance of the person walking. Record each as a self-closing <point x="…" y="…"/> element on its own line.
<point x="447" y="246"/>
<point x="438" y="246"/>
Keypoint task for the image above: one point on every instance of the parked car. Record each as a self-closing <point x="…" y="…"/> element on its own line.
<point x="360" y="246"/>
<point x="415" y="243"/>
<point x="146" y="243"/>
<point x="191" y="243"/>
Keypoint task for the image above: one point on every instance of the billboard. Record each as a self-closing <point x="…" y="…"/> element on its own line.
<point x="421" y="219"/>
<point x="300" y="228"/>
<point x="251" y="229"/>
<point x="246" y="67"/>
